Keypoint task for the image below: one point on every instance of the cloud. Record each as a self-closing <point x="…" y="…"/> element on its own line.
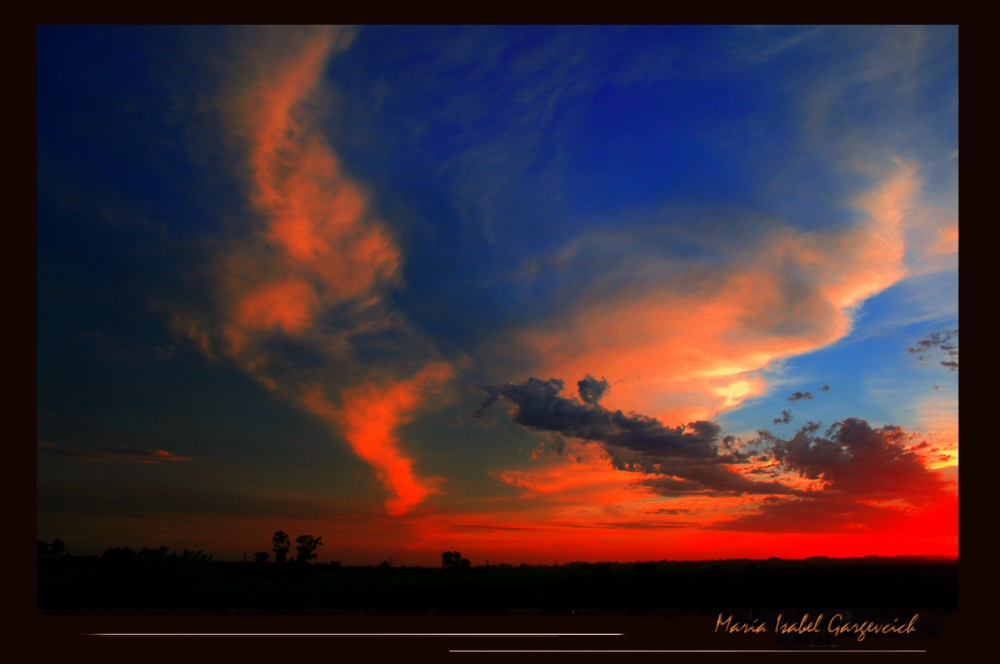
<point x="369" y="416"/>
<point x="695" y="327"/>
<point x="685" y="459"/>
<point x="947" y="240"/>
<point x="317" y="246"/>
<point x="540" y="407"/>
<point x="870" y="478"/>
<point x="946" y="341"/>
<point x="299" y="289"/>
<point x="853" y="478"/>
<point x="713" y="479"/>
<point x="786" y="417"/>
<point x="861" y="461"/>
<point x="937" y="422"/>
<point x="825" y="388"/>
<point x="591" y="389"/>
<point x="801" y="395"/>
<point x="112" y="454"/>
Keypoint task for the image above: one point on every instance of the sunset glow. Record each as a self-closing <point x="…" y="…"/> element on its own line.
<point x="531" y="293"/>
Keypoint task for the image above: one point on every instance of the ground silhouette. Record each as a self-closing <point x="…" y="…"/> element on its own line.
<point x="159" y="578"/>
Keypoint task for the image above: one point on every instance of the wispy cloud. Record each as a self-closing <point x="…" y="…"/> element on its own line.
<point x="945" y="341"/>
<point x="111" y="454"/>
<point x="303" y="282"/>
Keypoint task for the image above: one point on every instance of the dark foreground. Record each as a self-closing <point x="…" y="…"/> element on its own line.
<point x="174" y="582"/>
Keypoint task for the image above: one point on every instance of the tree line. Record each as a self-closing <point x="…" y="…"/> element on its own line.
<point x="281" y="545"/>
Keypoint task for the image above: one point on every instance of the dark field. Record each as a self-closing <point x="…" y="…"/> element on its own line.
<point x="191" y="583"/>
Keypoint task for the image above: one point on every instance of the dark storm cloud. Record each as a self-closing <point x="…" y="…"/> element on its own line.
<point x="540" y="407"/>
<point x="786" y="417"/>
<point x="859" y="464"/>
<point x="591" y="389"/>
<point x="679" y="460"/>
<point x="112" y="454"/>
<point x="800" y="395"/>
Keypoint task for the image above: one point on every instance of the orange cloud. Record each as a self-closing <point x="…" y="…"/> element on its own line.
<point x="320" y="246"/>
<point x="937" y="419"/>
<point x="682" y="349"/>
<point x="289" y="306"/>
<point x="312" y="263"/>
<point x="947" y="240"/>
<point x="369" y="416"/>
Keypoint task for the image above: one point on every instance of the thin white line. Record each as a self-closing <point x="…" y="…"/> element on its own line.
<point x="553" y="634"/>
<point x="739" y="651"/>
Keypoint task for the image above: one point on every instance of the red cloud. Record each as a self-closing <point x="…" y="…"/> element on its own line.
<point x="870" y="478"/>
<point x="369" y="416"/>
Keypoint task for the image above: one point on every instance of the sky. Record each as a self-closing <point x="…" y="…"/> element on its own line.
<point x="532" y="293"/>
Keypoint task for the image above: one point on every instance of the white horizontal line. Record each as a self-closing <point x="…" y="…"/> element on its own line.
<point x="798" y="650"/>
<point x="552" y="634"/>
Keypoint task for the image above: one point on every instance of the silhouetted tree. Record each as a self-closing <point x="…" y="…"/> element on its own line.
<point x="261" y="557"/>
<point x="196" y="555"/>
<point x="118" y="555"/>
<point x="645" y="569"/>
<point x="58" y="547"/>
<point x="158" y="552"/>
<point x="43" y="548"/>
<point x="305" y="547"/>
<point x="454" y="560"/>
<point x="281" y="546"/>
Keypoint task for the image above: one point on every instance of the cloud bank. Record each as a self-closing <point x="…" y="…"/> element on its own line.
<point x="686" y="458"/>
<point x="854" y="477"/>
